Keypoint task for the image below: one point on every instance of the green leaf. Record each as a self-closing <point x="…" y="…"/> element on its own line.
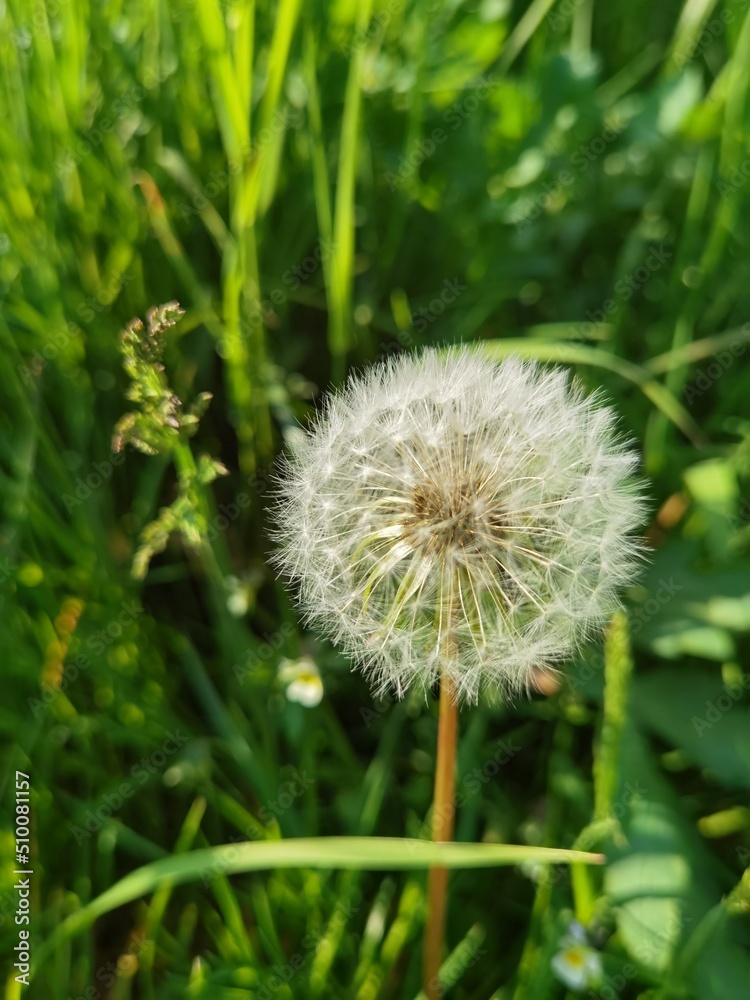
<point x="696" y="712"/>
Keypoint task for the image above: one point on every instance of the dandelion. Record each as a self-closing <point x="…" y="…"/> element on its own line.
<point x="453" y="519"/>
<point x="577" y="965"/>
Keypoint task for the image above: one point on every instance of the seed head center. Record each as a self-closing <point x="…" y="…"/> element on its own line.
<point x="446" y="515"/>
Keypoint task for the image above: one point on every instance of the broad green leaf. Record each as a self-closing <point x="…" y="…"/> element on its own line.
<point x="705" y="718"/>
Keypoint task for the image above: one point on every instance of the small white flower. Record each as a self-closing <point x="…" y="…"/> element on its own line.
<point x="303" y="682"/>
<point x="451" y="515"/>
<point x="577" y="964"/>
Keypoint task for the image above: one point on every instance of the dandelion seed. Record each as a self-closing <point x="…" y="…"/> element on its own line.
<point x="448" y="516"/>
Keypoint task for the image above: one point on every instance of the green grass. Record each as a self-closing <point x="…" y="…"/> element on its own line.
<point x="306" y="179"/>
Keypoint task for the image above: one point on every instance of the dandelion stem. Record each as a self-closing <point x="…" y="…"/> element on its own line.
<point x="443" y="811"/>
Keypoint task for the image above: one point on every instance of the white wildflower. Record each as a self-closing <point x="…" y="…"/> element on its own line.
<point x="448" y="514"/>
<point x="577" y="964"/>
<point x="302" y="680"/>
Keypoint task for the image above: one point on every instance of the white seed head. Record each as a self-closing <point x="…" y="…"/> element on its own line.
<point x="449" y="514"/>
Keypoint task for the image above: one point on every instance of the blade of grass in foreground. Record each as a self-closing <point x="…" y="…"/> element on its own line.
<point x="373" y="853"/>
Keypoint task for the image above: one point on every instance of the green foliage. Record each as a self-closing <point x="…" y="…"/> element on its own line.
<point x="321" y="185"/>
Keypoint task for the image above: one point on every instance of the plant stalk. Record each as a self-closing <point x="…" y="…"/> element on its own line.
<point x="443" y="813"/>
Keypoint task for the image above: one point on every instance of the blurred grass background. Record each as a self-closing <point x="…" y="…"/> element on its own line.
<point x="320" y="185"/>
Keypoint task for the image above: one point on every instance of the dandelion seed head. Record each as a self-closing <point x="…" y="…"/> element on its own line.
<point x="447" y="513"/>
